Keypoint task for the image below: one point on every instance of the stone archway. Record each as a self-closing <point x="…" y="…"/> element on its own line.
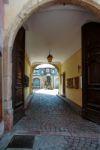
<point x="36" y="82"/>
<point x="27" y="10"/>
<point x="45" y="75"/>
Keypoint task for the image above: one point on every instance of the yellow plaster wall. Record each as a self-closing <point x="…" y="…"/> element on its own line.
<point x="27" y="90"/>
<point x="70" y="67"/>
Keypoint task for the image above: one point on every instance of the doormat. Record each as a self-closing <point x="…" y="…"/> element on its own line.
<point x="21" y="141"/>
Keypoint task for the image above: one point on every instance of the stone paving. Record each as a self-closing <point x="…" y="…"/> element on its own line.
<point x="50" y="114"/>
<point x="56" y="126"/>
<point x="65" y="143"/>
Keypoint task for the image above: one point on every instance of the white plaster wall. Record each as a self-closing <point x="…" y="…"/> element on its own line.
<point x="13" y="8"/>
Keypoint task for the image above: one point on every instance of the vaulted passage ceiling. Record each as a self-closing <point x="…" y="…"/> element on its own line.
<point x="58" y="29"/>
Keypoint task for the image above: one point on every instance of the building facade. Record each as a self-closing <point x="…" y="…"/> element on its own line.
<point x="45" y="78"/>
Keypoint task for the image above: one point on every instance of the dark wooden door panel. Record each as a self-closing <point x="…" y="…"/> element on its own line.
<point x="91" y="71"/>
<point x="64" y="86"/>
<point x="18" y="59"/>
<point x="94" y="67"/>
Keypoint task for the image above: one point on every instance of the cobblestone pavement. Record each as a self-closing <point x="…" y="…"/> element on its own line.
<point x="50" y="114"/>
<point x="61" y="142"/>
<point x="56" y="126"/>
<point x="65" y="143"/>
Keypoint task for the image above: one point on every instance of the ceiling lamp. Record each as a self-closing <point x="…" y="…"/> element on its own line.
<point x="49" y="58"/>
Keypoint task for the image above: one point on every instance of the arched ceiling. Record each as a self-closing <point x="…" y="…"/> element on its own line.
<point x="56" y="29"/>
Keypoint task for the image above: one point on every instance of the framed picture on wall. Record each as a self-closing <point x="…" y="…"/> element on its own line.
<point x="70" y="83"/>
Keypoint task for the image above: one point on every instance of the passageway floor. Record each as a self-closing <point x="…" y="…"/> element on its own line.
<point x="56" y="126"/>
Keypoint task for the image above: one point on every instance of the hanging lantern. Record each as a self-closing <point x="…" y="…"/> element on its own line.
<point x="49" y="58"/>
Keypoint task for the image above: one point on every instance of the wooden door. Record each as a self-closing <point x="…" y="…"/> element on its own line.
<point x="91" y="71"/>
<point x="18" y="63"/>
<point x="64" y="87"/>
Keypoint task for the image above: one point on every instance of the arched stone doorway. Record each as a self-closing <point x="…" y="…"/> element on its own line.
<point x="48" y="75"/>
<point x="36" y="83"/>
<point x="26" y="11"/>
